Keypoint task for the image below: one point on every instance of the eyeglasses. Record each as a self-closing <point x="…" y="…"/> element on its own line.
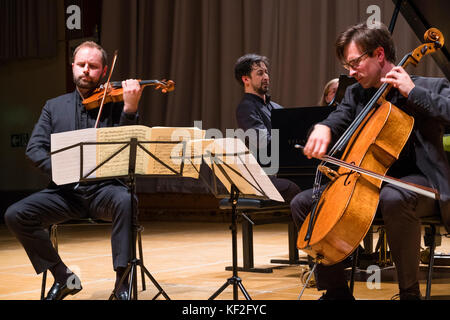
<point x="354" y="63"/>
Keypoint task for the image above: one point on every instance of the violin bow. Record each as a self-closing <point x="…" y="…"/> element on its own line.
<point x="106" y="88"/>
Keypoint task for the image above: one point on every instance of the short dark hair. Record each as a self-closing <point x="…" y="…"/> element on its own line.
<point x="367" y="38"/>
<point x="92" y="44"/>
<point x="244" y="65"/>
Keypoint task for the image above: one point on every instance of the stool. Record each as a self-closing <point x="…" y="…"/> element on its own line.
<point x="250" y="208"/>
<point x="432" y="238"/>
<point x="87" y="222"/>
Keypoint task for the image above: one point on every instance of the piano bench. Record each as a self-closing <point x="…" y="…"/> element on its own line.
<point x="259" y="212"/>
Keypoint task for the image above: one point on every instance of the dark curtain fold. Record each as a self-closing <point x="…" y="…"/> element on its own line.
<point x="27" y="29"/>
<point x="196" y="43"/>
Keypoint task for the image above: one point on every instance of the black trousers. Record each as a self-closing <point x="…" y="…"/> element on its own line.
<point x="30" y="218"/>
<point x="401" y="211"/>
<point x="287" y="189"/>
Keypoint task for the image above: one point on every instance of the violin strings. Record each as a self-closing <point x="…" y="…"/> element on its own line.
<point x="362" y="115"/>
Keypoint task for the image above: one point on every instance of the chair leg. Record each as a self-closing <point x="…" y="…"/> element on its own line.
<point x="44" y="282"/>
<point x="368" y="242"/>
<point x="431" y="262"/>
<point x="354" y="264"/>
<point x="141" y="256"/>
<point x="54" y="236"/>
<point x="292" y="238"/>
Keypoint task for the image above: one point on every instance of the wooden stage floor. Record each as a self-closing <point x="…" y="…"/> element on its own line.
<point x="188" y="260"/>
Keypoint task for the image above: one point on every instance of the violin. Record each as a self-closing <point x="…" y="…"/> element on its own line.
<point x="115" y="92"/>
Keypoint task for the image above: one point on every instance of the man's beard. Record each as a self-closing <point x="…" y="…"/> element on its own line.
<point x="85" y="84"/>
<point x="262" y="90"/>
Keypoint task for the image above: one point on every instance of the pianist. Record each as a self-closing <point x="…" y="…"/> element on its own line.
<point x="254" y="112"/>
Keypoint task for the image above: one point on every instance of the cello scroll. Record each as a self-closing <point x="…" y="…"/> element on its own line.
<point x="434" y="40"/>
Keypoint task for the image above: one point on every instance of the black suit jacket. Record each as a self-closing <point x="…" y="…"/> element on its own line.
<point x="252" y="113"/>
<point x="60" y="115"/>
<point x="429" y="104"/>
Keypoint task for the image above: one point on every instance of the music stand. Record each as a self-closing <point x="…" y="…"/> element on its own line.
<point x="131" y="179"/>
<point x="236" y="181"/>
<point x="234" y="280"/>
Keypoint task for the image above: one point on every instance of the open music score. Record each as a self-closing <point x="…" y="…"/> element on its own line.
<point x="232" y="163"/>
<point x="165" y="143"/>
<point x="104" y="153"/>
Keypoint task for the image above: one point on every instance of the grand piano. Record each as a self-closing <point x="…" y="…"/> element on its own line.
<point x="294" y="124"/>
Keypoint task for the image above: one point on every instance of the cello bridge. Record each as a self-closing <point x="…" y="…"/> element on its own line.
<point x="331" y="174"/>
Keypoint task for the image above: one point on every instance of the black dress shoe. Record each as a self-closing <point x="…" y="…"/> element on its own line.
<point x="338" y="294"/>
<point x="60" y="291"/>
<point x="412" y="293"/>
<point x="122" y="295"/>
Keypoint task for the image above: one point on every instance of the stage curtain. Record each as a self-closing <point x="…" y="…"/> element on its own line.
<point x="27" y="29"/>
<point x="196" y="43"/>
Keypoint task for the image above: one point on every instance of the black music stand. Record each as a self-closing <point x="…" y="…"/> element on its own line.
<point x="131" y="181"/>
<point x="228" y="176"/>
<point x="234" y="280"/>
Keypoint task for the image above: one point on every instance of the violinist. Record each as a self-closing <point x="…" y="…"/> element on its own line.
<point x="108" y="200"/>
<point x="368" y="53"/>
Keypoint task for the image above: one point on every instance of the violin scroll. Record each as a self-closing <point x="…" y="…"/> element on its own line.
<point x="165" y="86"/>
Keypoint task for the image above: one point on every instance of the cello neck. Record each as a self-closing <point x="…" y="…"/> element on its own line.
<point x="434" y="40"/>
<point x="377" y="99"/>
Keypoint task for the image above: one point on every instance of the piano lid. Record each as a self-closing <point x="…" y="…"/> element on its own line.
<point x="422" y="15"/>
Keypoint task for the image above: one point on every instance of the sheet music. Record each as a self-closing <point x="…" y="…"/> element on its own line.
<point x="195" y="150"/>
<point x="241" y="167"/>
<point x="171" y="153"/>
<point x="119" y="165"/>
<point x="66" y="164"/>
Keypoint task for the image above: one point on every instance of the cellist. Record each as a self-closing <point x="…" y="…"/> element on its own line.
<point x="29" y="218"/>
<point x="368" y="53"/>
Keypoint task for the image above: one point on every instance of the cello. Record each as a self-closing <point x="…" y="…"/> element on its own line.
<point x="343" y="213"/>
